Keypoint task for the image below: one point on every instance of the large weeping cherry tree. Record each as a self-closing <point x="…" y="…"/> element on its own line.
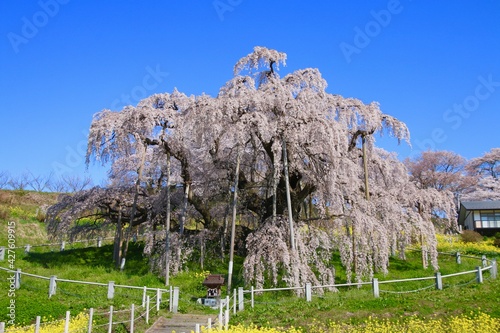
<point x="301" y="161"/>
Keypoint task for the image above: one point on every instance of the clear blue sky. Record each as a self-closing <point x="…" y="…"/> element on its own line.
<point x="434" y="65"/>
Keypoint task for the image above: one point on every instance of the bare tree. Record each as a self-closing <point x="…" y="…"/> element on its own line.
<point x="4" y="179"/>
<point x="20" y="182"/>
<point x="75" y="183"/>
<point x="40" y="183"/>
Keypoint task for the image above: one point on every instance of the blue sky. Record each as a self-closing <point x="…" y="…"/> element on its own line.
<point x="434" y="65"/>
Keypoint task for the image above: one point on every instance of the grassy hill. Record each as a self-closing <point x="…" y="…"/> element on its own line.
<point x="349" y="306"/>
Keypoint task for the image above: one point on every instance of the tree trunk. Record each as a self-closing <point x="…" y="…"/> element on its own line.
<point x="167" y="226"/>
<point x="117" y="247"/>
<point x="365" y="167"/>
<point x="233" y="223"/>
<point x="134" y="204"/>
<point x="182" y="220"/>
<point x="288" y="199"/>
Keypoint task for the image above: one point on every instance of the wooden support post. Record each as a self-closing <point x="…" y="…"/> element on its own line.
<point x="2" y="327"/>
<point x="308" y="292"/>
<point x="479" y="274"/>
<point x="220" y="315"/>
<point x="376" y="291"/>
<point x="170" y="298"/>
<point x="175" y="300"/>
<point x="158" y="299"/>
<point x="241" y="299"/>
<point x="17" y="277"/>
<point x="91" y="318"/>
<point x="459" y="259"/>
<point x="252" y="298"/>
<point x="132" y="314"/>
<point x="66" y="323"/>
<point x="111" y="289"/>
<point x="37" y="324"/>
<point x="439" y="281"/>
<point x="110" y="325"/>
<point x="147" y="309"/>
<point x="144" y="292"/>
<point x="493" y="269"/>
<point x="235" y="301"/>
<point x="52" y="285"/>
<point x="484" y="261"/>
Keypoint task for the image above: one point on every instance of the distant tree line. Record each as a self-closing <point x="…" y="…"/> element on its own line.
<point x="44" y="183"/>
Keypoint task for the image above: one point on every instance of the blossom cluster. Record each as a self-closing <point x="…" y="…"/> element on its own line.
<point x="79" y="323"/>
<point x="473" y="322"/>
<point x="453" y="243"/>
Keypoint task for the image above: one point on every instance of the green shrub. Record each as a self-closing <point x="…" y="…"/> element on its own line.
<point x="496" y="242"/>
<point x="497" y="235"/>
<point x="470" y="236"/>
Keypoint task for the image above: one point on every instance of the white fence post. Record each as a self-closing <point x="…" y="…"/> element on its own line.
<point x="493" y="269"/>
<point x="209" y="324"/>
<point x="459" y="259"/>
<point x="158" y="299"/>
<point x="63" y="245"/>
<point x="27" y="248"/>
<point x="2" y="253"/>
<point x="144" y="291"/>
<point x="91" y="317"/>
<point x="484" y="260"/>
<point x="226" y="319"/>
<point x="252" y="299"/>
<point x="66" y="323"/>
<point x="52" y="285"/>
<point x="197" y="328"/>
<point x="111" y="289"/>
<point x="220" y="315"/>
<point x="122" y="265"/>
<point x="37" y="324"/>
<point x="175" y="300"/>
<point x="147" y="310"/>
<point x="170" y="297"/>
<point x="479" y="275"/>
<point x="241" y="299"/>
<point x="376" y="291"/>
<point x="439" y="281"/>
<point x="110" y="325"/>
<point x="17" y="279"/>
<point x="2" y="327"/>
<point x="308" y="292"/>
<point x="132" y="318"/>
<point x="99" y="241"/>
<point x="235" y="301"/>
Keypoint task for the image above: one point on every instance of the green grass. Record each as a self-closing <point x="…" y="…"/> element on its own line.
<point x="461" y="294"/>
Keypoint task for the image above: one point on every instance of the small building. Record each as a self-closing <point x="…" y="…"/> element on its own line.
<point x="480" y="216"/>
<point x="214" y="282"/>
